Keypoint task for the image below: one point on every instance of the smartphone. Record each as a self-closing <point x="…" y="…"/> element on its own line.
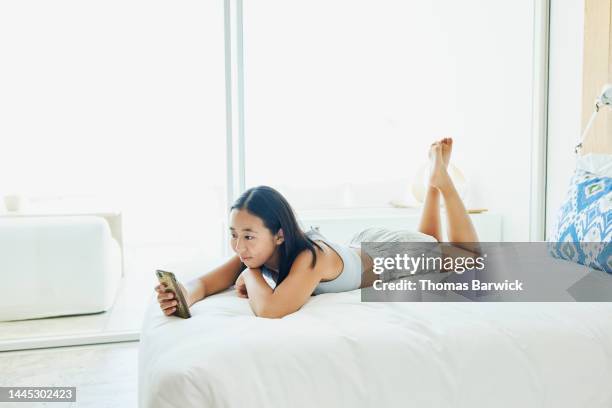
<point x="182" y="310"/>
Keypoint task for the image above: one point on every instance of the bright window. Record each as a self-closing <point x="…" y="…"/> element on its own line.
<point x="343" y="98"/>
<point x="123" y="102"/>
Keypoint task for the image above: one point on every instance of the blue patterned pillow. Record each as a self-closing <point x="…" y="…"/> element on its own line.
<point x="584" y="224"/>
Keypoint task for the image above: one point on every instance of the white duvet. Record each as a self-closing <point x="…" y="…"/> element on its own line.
<point x="339" y="352"/>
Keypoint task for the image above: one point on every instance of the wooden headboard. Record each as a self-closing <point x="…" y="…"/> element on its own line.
<point x="596" y="72"/>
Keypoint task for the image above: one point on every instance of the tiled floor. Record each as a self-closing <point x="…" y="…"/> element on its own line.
<point x="104" y="375"/>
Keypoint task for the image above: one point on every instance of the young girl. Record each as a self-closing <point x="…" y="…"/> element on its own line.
<point x="268" y="241"/>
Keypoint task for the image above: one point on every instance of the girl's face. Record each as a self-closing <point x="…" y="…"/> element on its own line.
<point x="251" y="240"/>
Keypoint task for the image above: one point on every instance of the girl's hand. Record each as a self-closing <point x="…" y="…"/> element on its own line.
<point x="167" y="300"/>
<point x="241" y="289"/>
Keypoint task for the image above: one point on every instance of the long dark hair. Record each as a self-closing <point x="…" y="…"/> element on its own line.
<point x="276" y="213"/>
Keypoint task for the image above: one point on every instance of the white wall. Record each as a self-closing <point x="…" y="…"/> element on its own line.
<point x="565" y="99"/>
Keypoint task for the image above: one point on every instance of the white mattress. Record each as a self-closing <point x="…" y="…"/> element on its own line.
<point x="339" y="352"/>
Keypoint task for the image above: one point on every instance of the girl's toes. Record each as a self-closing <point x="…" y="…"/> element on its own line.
<point x="437" y="150"/>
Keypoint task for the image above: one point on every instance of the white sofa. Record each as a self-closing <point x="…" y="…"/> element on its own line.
<point x="57" y="265"/>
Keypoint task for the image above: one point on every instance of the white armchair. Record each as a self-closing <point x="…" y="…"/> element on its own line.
<point x="57" y="265"/>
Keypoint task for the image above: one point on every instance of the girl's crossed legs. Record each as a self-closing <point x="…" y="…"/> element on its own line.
<point x="458" y="222"/>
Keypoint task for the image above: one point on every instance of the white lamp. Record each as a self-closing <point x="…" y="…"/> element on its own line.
<point x="604" y="99"/>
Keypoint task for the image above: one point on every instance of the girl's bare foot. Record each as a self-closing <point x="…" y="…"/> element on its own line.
<point x="447" y="148"/>
<point x="438" y="175"/>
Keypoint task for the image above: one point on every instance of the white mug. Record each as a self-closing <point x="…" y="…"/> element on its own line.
<point x="13" y="202"/>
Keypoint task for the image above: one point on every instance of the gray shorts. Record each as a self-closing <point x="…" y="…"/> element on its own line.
<point x="379" y="247"/>
<point x="376" y="234"/>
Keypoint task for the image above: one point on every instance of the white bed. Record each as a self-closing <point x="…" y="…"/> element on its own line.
<point x="339" y="352"/>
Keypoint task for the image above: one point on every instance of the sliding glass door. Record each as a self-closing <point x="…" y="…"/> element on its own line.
<point x="120" y="104"/>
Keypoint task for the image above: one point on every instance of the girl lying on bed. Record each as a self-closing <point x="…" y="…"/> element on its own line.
<point x="268" y="241"/>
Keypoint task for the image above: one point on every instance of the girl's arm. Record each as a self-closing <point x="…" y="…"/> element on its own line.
<point x="214" y="281"/>
<point x="195" y="290"/>
<point x="290" y="295"/>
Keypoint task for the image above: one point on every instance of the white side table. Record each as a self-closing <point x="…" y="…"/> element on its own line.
<point x="341" y="224"/>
